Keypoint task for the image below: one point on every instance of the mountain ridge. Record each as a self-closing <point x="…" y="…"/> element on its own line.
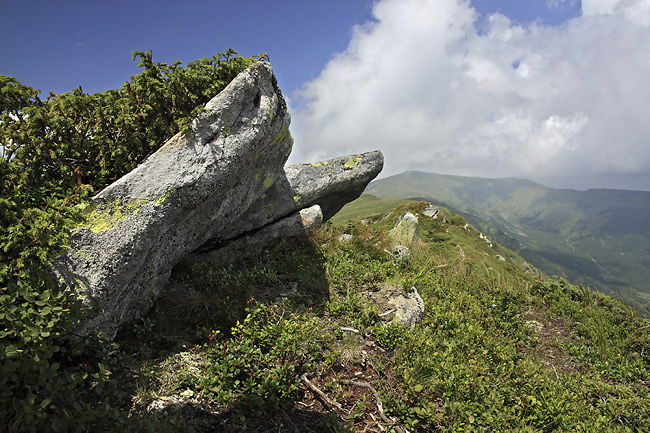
<point x="598" y="237"/>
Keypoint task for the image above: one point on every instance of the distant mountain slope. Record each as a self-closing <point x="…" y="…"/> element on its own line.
<point x="599" y="237"/>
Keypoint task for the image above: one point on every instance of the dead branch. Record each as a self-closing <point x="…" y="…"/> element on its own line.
<point x="380" y="406"/>
<point x="320" y="393"/>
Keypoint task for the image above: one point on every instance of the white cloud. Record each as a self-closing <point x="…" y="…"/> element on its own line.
<point x="559" y="4"/>
<point x="421" y="84"/>
<point x="597" y="7"/>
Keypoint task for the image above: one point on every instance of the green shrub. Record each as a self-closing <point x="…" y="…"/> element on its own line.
<point x="262" y="359"/>
<point x="54" y="154"/>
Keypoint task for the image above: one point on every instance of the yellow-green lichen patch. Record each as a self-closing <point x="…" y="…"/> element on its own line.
<point x="81" y="289"/>
<point x="226" y="131"/>
<point x="160" y="200"/>
<point x="269" y="209"/>
<point x="352" y="162"/>
<point x="258" y="176"/>
<point x="270" y="108"/>
<point x="316" y="164"/>
<point x="83" y="254"/>
<point x="107" y="215"/>
<point x="297" y="199"/>
<point x="267" y="182"/>
<point x="405" y="232"/>
<point x="283" y="133"/>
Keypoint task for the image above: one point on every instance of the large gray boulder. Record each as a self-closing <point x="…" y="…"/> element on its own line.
<point x="222" y="181"/>
<point x="191" y="190"/>
<point x="278" y="212"/>
<point x="330" y="184"/>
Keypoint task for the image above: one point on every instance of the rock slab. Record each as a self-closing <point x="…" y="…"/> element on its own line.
<point x="223" y="181"/>
<point x="405" y="231"/>
<point x="192" y="189"/>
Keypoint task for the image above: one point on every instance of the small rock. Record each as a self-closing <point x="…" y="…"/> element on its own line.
<point x="405" y="231"/>
<point x="431" y="212"/>
<point x="400" y="253"/>
<point x="345" y="237"/>
<point x="409" y="308"/>
<point x="398" y="307"/>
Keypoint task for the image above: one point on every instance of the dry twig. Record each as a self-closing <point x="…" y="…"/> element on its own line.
<point x="380" y="406"/>
<point x="320" y="393"/>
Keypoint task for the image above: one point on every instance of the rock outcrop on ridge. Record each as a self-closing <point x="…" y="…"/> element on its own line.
<point x="404" y="235"/>
<point x="218" y="181"/>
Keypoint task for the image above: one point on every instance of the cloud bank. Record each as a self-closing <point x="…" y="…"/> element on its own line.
<point x="438" y="88"/>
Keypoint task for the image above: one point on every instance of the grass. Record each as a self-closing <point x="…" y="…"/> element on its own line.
<point x="501" y="347"/>
<point x="366" y="206"/>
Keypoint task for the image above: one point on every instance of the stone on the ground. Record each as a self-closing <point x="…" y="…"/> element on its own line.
<point x="431" y="211"/>
<point x="409" y="308"/>
<point x="405" y="230"/>
<point x="400" y="253"/>
<point x="395" y="305"/>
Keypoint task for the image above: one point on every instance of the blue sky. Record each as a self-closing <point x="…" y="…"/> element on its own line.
<point x="553" y="90"/>
<point x="59" y="45"/>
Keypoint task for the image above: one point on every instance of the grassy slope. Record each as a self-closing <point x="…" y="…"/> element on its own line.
<point x="500" y="347"/>
<point x="599" y="237"/>
<point x="366" y="206"/>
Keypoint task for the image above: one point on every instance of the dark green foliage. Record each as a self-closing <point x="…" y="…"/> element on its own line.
<point x="74" y="139"/>
<point x="54" y="153"/>
<point x="264" y="357"/>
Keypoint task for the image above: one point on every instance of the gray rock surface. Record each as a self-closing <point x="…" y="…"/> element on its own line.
<point x="409" y="308"/>
<point x="404" y="235"/>
<point x="295" y="225"/>
<point x="191" y="190"/>
<point x="431" y="211"/>
<point x="396" y="305"/>
<point x="330" y="184"/>
<point x="400" y="253"/>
